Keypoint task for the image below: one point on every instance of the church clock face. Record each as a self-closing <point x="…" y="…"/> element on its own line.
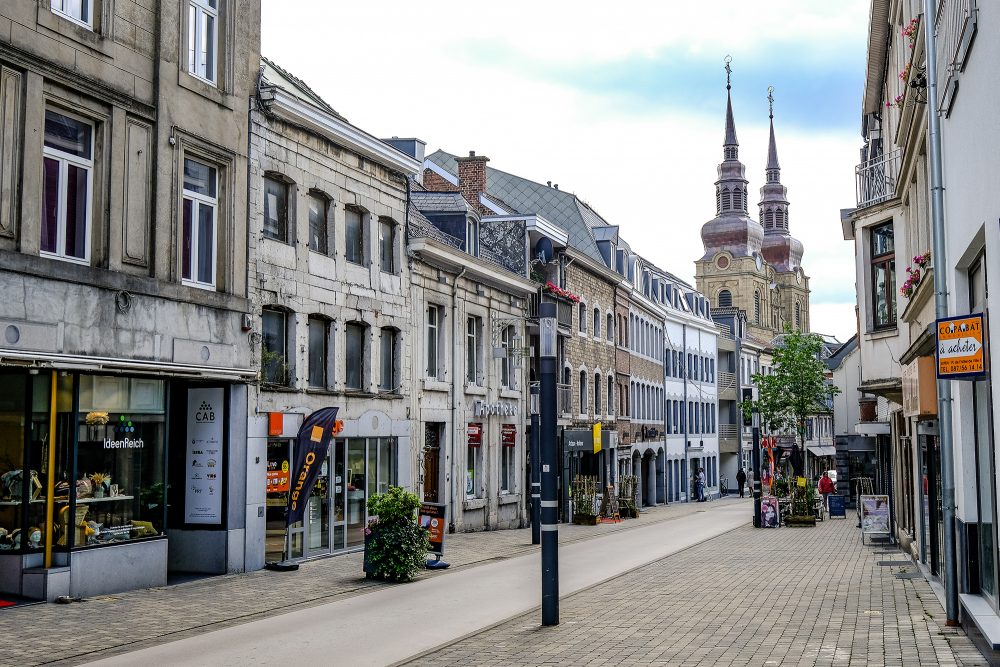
<point x="759" y="260"/>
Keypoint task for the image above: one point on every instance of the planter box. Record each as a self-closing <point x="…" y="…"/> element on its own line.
<point x="795" y="520"/>
<point x="585" y="519"/>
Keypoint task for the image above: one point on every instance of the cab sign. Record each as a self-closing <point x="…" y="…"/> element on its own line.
<point x="960" y="347"/>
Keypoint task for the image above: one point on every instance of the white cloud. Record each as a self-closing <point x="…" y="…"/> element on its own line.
<point x="398" y="68"/>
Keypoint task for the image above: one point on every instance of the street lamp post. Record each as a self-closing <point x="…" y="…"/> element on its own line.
<point x="536" y="468"/>
<point x="549" y="502"/>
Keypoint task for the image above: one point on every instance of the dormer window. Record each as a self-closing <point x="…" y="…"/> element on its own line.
<point x="472" y="237"/>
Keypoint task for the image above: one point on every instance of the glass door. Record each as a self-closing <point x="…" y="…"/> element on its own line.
<point x="279" y="457"/>
<point x="339" y="503"/>
<point x="356" y="479"/>
<point x="317" y="516"/>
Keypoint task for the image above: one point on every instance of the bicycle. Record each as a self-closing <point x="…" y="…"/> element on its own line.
<point x="723" y="487"/>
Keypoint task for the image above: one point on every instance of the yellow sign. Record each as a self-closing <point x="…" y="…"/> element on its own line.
<point x="960" y="350"/>
<point x="801" y="481"/>
<point x="597" y="437"/>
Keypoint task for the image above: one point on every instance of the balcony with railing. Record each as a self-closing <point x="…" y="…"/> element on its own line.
<point x="876" y="178"/>
<point x="729" y="431"/>
<point x="564" y="308"/>
<point x="564" y="398"/>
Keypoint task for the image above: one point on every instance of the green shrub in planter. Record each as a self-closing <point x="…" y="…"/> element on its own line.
<point x="395" y="545"/>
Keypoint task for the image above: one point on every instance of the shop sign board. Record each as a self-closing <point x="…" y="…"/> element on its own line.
<point x="582" y="440"/>
<point x="508" y="435"/>
<point x="769" y="512"/>
<point x="835" y="504"/>
<point x="502" y="409"/>
<point x="475" y="434"/>
<point x="203" y="467"/>
<point x="874" y="515"/>
<point x="960" y="352"/>
<point x="432" y="518"/>
<point x="919" y="388"/>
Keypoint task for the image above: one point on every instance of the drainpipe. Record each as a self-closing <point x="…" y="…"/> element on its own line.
<point x="941" y="311"/>
<point x="684" y="411"/>
<point x="454" y="396"/>
<point x="663" y="409"/>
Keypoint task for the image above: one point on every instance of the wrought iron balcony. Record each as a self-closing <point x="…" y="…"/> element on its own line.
<point x="564" y="397"/>
<point x="727" y="380"/>
<point x="876" y="179"/>
<point x="729" y="431"/>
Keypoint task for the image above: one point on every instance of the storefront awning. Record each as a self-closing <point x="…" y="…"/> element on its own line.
<point x="50" y="360"/>
<point x="822" y="450"/>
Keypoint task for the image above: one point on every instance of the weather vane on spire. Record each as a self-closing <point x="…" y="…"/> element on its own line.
<point x="770" y="101"/>
<point x="729" y="71"/>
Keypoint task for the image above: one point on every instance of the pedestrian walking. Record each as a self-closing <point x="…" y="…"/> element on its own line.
<point x="701" y="485"/>
<point x="826" y="487"/>
<point x="741" y="479"/>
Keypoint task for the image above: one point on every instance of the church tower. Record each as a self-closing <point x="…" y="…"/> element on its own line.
<point x="732" y="272"/>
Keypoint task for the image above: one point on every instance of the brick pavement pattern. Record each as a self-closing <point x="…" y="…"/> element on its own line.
<point x="792" y="596"/>
<point x="113" y="624"/>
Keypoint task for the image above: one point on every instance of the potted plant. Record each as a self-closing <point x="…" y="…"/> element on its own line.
<point x="99" y="480"/>
<point x="395" y="545"/>
<point x="803" y="504"/>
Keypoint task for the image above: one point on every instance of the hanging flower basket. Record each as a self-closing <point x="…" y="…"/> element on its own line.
<point x="555" y="290"/>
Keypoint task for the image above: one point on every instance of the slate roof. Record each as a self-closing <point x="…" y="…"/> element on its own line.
<point x="837" y="358"/>
<point x="440" y="202"/>
<point x="559" y="207"/>
<point x="279" y="76"/>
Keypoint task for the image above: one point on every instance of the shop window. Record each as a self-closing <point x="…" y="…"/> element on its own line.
<point x="388" y="363"/>
<point x="275" y="209"/>
<point x="883" y="276"/>
<point x="77" y="11"/>
<point x="318" y="223"/>
<point x="199" y="219"/>
<point x="67" y="187"/>
<point x="507" y="469"/>
<point x="355" y="336"/>
<point x="387" y="244"/>
<point x="354" y="236"/>
<point x="474" y="471"/>
<point x="319" y="357"/>
<point x="203" y="39"/>
<point x="433" y="335"/>
<point x="274" y="347"/>
<point x="473" y="350"/>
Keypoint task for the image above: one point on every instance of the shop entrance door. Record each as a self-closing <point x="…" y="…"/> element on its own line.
<point x="317" y="516"/>
<point x="432" y="462"/>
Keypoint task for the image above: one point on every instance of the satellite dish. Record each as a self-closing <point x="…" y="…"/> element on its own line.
<point x="543" y="250"/>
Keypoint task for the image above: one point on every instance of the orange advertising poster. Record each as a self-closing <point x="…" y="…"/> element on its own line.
<point x="432" y="519"/>
<point x="960" y="347"/>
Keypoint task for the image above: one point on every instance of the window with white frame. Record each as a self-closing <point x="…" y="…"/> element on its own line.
<point x="597" y="394"/>
<point x="472" y="237"/>
<point x="597" y="323"/>
<point x="473" y="350"/>
<point x="67" y="187"/>
<point x="583" y="317"/>
<point x="388" y="379"/>
<point x="507" y="467"/>
<point x="203" y="39"/>
<point x="77" y="11"/>
<point x="433" y="342"/>
<point x="199" y="224"/>
<point x="583" y="392"/>
<point x="610" y="328"/>
<point x="611" y="397"/>
<point x="509" y="342"/>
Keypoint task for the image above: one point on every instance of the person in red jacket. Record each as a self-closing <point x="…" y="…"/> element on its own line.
<point x="826" y="487"/>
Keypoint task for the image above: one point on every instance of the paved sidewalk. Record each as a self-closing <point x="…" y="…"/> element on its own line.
<point x="792" y="596"/>
<point x="109" y="625"/>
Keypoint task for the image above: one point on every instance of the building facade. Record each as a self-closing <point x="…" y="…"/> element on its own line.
<point x="123" y="254"/>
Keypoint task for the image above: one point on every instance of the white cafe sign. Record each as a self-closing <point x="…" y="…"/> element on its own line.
<point x="484" y="409"/>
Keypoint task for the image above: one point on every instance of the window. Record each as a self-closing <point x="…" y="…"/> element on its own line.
<point x="474" y="470"/>
<point x="725" y="299"/>
<point x="798" y="316"/>
<point x="610" y="332"/>
<point x="472" y="237"/>
<point x="355" y="354"/>
<point x="318" y="241"/>
<point x="78" y="11"/>
<point x="583" y="318"/>
<point x="509" y="342"/>
<point x="387" y="244"/>
<point x="318" y="357"/>
<point x="203" y="33"/>
<point x="354" y="236"/>
<point x="583" y="392"/>
<point x="756" y="307"/>
<point x="199" y="222"/>
<point x="611" y="396"/>
<point x="275" y="210"/>
<point x="597" y="323"/>
<point x="883" y="276"/>
<point x="597" y="394"/>
<point x="274" y="346"/>
<point x="67" y="187"/>
<point x="433" y="343"/>
<point x="507" y="467"/>
<point x="388" y="379"/>
<point x="473" y="350"/>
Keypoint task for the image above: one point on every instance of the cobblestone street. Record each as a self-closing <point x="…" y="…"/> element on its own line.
<point x="793" y="596"/>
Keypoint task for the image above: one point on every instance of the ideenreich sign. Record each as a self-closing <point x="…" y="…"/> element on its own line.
<point x="960" y="352"/>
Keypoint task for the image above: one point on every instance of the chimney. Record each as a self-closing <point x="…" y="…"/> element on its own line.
<point x="472" y="178"/>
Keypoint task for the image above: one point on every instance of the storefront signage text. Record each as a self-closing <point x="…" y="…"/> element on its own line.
<point x="124" y="443"/>
<point x="203" y="493"/>
<point x="484" y="409"/>
<point x="508" y="435"/>
<point x="475" y="433"/>
<point x="960" y="351"/>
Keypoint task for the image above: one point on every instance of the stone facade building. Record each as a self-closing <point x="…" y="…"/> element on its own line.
<point x="330" y="298"/>
<point x="123" y="254"/>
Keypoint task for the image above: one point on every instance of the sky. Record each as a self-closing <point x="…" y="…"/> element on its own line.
<point x="621" y="103"/>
